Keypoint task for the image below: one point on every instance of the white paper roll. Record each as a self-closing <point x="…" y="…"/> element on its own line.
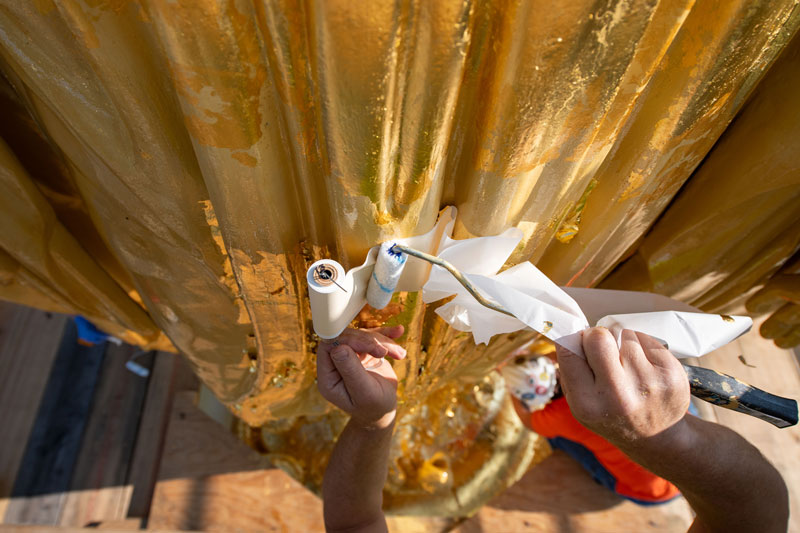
<point x="330" y="291"/>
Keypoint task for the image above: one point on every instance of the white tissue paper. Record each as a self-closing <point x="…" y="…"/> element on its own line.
<point x="534" y="300"/>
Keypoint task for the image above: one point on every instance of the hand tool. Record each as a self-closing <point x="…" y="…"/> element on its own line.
<point x="706" y="384"/>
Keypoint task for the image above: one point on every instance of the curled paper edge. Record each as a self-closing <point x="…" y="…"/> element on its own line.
<point x="685" y="334"/>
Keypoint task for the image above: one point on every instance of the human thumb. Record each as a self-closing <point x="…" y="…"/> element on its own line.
<point x="355" y="377"/>
<point x="574" y="370"/>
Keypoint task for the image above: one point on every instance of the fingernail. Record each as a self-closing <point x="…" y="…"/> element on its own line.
<point x="385" y="349"/>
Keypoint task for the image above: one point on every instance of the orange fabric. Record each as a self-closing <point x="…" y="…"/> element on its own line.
<point x="633" y="481"/>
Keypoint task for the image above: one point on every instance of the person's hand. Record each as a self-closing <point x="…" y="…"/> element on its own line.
<point x="634" y="396"/>
<point x="352" y="374"/>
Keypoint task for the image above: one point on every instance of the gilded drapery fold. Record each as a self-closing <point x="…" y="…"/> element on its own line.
<point x="169" y="169"/>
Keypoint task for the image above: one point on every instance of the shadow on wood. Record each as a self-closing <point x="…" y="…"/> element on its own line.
<point x="211" y="481"/>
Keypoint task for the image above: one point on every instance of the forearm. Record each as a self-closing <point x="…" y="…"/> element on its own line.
<point x="726" y="480"/>
<point x="352" y="489"/>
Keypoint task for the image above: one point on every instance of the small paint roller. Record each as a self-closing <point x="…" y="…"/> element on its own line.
<point x="385" y="276"/>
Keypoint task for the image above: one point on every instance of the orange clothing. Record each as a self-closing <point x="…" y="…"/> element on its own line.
<point x="628" y="479"/>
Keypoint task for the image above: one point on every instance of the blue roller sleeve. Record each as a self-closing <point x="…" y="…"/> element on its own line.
<point x="385" y="276"/>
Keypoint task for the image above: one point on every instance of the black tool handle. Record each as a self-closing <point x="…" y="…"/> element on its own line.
<point x="730" y="393"/>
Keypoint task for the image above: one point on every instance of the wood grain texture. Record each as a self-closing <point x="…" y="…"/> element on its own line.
<point x="98" y="490"/>
<point x="107" y="527"/>
<point x="55" y="441"/>
<point x="211" y="481"/>
<point x="129" y="524"/>
<point x="29" y="341"/>
<point x="152" y="432"/>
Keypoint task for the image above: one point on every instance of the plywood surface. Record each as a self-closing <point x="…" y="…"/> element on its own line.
<point x="55" y="442"/>
<point x="29" y="341"/>
<point x="211" y="481"/>
<point x="107" y="527"/>
<point x="99" y="489"/>
<point x="97" y="436"/>
<point x="558" y="495"/>
<point x="164" y="379"/>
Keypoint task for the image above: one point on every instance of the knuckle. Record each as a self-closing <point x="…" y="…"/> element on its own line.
<point x="593" y="336"/>
<point x="349" y="370"/>
<point x="378" y="345"/>
<point x="675" y="377"/>
<point x="599" y="341"/>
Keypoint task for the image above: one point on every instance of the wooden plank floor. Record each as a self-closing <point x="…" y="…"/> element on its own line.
<point x="99" y="490"/>
<point x="149" y="458"/>
<point x="29" y="341"/>
<point x="211" y="481"/>
<point x="85" y="451"/>
<point x="53" y="447"/>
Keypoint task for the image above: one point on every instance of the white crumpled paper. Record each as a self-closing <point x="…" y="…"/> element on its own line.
<point x="559" y="314"/>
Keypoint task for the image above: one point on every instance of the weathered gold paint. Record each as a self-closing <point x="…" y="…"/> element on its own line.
<point x="199" y="155"/>
<point x="55" y="255"/>
<point x="102" y="111"/>
<point x="781" y="288"/>
<point x="19" y="285"/>
<point x="734" y="224"/>
<point x="571" y="224"/>
<point x="51" y="174"/>
<point x="701" y="81"/>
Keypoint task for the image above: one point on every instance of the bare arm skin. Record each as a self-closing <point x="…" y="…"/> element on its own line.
<point x="355" y="377"/>
<point x="636" y="397"/>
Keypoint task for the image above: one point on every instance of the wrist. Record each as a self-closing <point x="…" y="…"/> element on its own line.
<point x="383" y="422"/>
<point x="674" y="441"/>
